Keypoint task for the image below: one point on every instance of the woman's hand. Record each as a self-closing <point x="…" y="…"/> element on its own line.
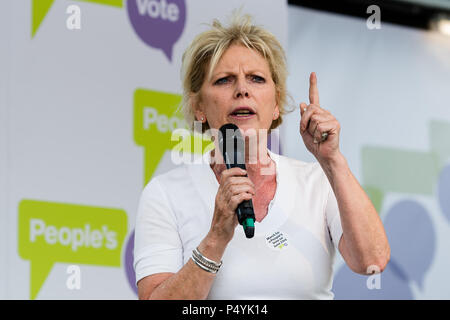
<point x="234" y="188"/>
<point x="315" y="122"/>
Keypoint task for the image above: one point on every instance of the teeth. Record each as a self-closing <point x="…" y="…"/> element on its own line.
<point x="242" y="112"/>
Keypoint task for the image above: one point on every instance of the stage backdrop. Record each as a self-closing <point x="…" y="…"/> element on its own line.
<point x="89" y="92"/>
<point x="389" y="88"/>
<point x="84" y="114"/>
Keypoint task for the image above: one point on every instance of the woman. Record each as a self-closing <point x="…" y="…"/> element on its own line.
<point x="188" y="242"/>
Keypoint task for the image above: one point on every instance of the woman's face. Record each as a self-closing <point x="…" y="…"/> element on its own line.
<point x="240" y="91"/>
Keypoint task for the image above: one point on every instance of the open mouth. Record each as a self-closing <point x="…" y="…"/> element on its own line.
<point x="242" y="112"/>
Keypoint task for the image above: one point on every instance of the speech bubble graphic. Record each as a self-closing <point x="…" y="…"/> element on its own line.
<point x="348" y="285"/>
<point x="158" y="23"/>
<point x="156" y="116"/>
<point x="40" y="9"/>
<point x="395" y="170"/>
<point x="52" y="232"/>
<point x="412" y="238"/>
<point x="444" y="191"/>
<point x="439" y="142"/>
<point x="129" y="260"/>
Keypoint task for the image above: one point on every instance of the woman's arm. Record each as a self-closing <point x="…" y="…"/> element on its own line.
<point x="363" y="245"/>
<point x="191" y="282"/>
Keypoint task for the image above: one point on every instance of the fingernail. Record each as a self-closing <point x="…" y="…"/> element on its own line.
<point x="315" y="140"/>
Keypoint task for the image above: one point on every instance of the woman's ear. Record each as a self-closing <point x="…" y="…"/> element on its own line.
<point x="200" y="116"/>
<point x="276" y="111"/>
<point x="196" y="107"/>
<point x="276" y="115"/>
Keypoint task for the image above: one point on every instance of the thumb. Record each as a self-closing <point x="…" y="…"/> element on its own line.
<point x="303" y="123"/>
<point x="303" y="106"/>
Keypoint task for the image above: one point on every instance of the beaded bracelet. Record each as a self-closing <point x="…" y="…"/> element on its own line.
<point x="205" y="263"/>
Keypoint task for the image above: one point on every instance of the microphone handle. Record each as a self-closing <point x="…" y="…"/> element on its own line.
<point x="244" y="211"/>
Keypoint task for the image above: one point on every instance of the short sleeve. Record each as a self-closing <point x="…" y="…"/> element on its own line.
<point x="333" y="218"/>
<point x="157" y="244"/>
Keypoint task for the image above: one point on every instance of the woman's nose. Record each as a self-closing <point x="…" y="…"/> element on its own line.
<point x="241" y="90"/>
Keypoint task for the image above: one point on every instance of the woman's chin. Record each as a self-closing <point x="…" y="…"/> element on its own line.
<point x="245" y="122"/>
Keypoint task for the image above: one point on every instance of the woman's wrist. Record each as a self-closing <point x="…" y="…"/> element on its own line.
<point x="213" y="247"/>
<point x="333" y="165"/>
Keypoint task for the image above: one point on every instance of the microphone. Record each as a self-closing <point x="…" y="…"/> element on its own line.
<point x="232" y="147"/>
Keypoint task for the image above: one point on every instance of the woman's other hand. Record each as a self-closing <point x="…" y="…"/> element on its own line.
<point x="318" y="127"/>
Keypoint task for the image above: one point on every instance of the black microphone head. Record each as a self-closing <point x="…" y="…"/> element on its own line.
<point x="232" y="145"/>
<point x="228" y="126"/>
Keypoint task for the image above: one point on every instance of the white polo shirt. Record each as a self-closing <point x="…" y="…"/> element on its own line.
<point x="291" y="255"/>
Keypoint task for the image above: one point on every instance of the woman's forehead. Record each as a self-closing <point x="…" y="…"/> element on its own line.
<point x="239" y="56"/>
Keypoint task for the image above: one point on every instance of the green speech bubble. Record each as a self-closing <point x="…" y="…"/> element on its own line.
<point x="67" y="233"/>
<point x="156" y="116"/>
<point x="409" y="171"/>
<point x="439" y="141"/>
<point x="396" y="170"/>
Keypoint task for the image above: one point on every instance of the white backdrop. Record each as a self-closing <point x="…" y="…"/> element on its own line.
<point x="66" y="122"/>
<point x="4" y="37"/>
<point x="385" y="87"/>
<point x="66" y="104"/>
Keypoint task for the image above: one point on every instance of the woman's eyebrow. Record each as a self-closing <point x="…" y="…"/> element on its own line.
<point x="255" y="71"/>
<point x="219" y="73"/>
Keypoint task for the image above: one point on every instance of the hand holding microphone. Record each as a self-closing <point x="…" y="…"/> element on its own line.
<point x="235" y="187"/>
<point x="232" y="147"/>
<point x="233" y="204"/>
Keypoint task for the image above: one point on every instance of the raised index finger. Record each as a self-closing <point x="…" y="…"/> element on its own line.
<point x="313" y="91"/>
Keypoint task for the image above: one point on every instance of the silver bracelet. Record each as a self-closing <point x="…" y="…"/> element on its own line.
<point x="205" y="263"/>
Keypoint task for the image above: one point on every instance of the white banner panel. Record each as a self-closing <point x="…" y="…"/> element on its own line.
<point x="84" y="77"/>
<point x="389" y="89"/>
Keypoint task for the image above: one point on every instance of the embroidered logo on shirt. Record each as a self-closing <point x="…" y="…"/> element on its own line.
<point x="276" y="240"/>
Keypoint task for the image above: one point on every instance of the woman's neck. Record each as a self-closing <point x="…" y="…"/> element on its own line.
<point x="258" y="167"/>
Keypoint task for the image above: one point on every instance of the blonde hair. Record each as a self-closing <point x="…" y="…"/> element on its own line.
<point x="205" y="51"/>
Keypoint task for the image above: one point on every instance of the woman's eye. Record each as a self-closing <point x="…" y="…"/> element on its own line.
<point x="258" y="79"/>
<point x="221" y="80"/>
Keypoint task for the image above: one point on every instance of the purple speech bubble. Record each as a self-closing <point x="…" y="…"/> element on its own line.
<point x="129" y="260"/>
<point x="159" y="23"/>
<point x="444" y="191"/>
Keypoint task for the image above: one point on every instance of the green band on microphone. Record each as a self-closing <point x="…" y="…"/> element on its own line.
<point x="249" y="227"/>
